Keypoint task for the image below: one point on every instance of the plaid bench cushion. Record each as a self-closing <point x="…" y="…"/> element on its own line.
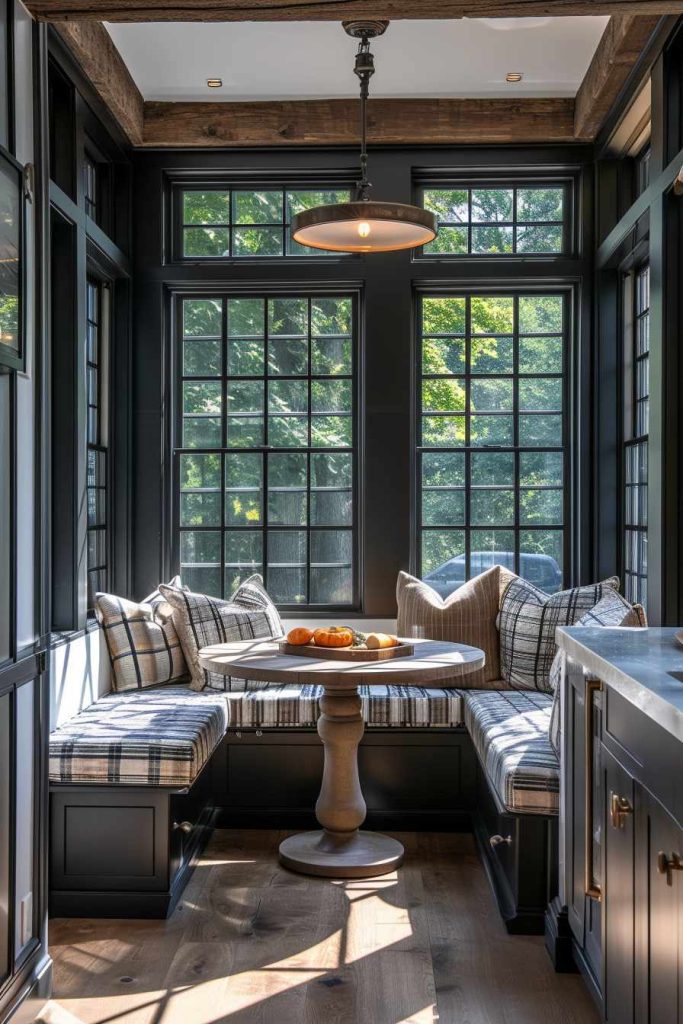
<point x="509" y="730"/>
<point x="141" y="738"/>
<point x="265" y="706"/>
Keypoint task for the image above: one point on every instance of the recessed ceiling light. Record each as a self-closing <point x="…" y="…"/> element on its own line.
<point x="514" y="76"/>
<point x="214" y="83"/>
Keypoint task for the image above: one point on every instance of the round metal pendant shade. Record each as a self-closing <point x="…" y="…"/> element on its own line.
<point x="364" y="226"/>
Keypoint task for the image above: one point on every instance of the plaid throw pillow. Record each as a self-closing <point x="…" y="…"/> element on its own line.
<point x="202" y="620"/>
<point x="144" y="649"/>
<point x="527" y="623"/>
<point x="613" y="610"/>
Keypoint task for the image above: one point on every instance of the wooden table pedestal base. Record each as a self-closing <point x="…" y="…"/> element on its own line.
<point x="365" y="855"/>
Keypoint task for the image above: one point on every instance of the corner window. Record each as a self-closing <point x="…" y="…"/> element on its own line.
<point x="266" y="445"/>
<point x="498" y="220"/>
<point x="228" y="223"/>
<point x="491" y="449"/>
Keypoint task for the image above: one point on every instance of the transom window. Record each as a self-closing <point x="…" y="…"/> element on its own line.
<point x="491" y="437"/>
<point x="636" y="427"/>
<point x="266" y="447"/>
<point x="233" y="223"/>
<point x="498" y="221"/>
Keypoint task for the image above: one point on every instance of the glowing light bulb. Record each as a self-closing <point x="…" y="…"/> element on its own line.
<point x="363" y="229"/>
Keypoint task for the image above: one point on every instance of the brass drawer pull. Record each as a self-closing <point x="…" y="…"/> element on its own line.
<point x="591" y="889"/>
<point x="619" y="809"/>
<point x="667" y="865"/>
<point x="497" y="840"/>
<point x="184" y="826"/>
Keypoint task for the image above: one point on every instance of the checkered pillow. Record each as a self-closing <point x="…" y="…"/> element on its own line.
<point x="527" y="623"/>
<point x="613" y="610"/>
<point x="144" y="649"/>
<point x="202" y="620"/>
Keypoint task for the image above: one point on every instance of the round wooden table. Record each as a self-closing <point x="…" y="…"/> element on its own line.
<point x="340" y="849"/>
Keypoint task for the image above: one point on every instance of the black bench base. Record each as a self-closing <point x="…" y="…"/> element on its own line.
<point x="124" y="851"/>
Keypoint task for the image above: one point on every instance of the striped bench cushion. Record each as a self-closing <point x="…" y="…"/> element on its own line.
<point x="509" y="730"/>
<point x="264" y="706"/>
<point x="141" y="738"/>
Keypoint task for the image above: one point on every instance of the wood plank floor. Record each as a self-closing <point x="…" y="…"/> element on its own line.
<point x="254" y="944"/>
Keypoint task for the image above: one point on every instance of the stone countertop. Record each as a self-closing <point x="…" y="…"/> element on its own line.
<point x="644" y="665"/>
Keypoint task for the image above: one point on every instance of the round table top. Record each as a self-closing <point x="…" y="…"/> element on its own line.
<point x="433" y="661"/>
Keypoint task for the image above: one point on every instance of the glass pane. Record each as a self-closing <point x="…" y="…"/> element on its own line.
<point x="541" y="430"/>
<point x="287" y="556"/>
<point x="246" y="318"/>
<point x="540" y="204"/>
<point x="443" y="469"/>
<point x="443" y="506"/>
<point x="286" y="399"/>
<point x="306" y="199"/>
<point x="544" y="353"/>
<point x="492" y="507"/>
<point x="200" y="490"/>
<point x="257" y="242"/>
<point x="257" y="207"/>
<point x="331" y="573"/>
<point x="332" y="432"/>
<point x="202" y="318"/>
<point x="288" y="356"/>
<point x="492" y="469"/>
<point x="206" y="207"/>
<point x="331" y="489"/>
<point x="202" y="406"/>
<point x="491" y="395"/>
<point x="449" y="241"/>
<point x="245" y="414"/>
<point x="494" y="240"/>
<point x="331" y="316"/>
<point x="443" y="315"/>
<point x="443" y="355"/>
<point x="331" y="396"/>
<point x="540" y="314"/>
<point x="287" y="489"/>
<point x="492" y="314"/>
<point x="542" y="508"/>
<point x="243" y="489"/>
<point x="491" y="205"/>
<point x="540" y="238"/>
<point x="443" y="431"/>
<point x="541" y="558"/>
<point x="203" y="242"/>
<point x="491" y="430"/>
<point x="245" y="357"/>
<point x="201" y="358"/>
<point x="541" y="468"/>
<point x="243" y="557"/>
<point x="200" y="561"/>
<point x="449" y="204"/>
<point x="331" y="356"/>
<point x="287" y="318"/>
<point x="540" y="394"/>
<point x="440" y="547"/>
<point x="492" y="355"/>
<point x="444" y="395"/>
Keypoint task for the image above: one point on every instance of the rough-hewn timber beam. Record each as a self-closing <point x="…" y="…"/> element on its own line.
<point x="334" y="10"/>
<point x="622" y="43"/>
<point x="92" y="47"/>
<point x="335" y="122"/>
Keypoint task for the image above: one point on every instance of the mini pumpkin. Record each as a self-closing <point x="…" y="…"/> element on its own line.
<point x="333" y="636"/>
<point x="299" y="636"/>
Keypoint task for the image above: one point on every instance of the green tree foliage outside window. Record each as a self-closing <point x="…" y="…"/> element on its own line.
<point x="491" y="426"/>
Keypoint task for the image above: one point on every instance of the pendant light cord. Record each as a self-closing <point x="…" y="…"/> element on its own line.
<point x="364" y="68"/>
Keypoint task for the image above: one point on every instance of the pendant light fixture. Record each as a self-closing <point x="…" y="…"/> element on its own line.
<point x="364" y="224"/>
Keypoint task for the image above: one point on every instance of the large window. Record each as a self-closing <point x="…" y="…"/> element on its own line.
<point x="636" y="427"/>
<point x="234" y="223"/>
<point x="266" y="445"/>
<point x="498" y="221"/>
<point x="491" y="436"/>
<point x="96" y="482"/>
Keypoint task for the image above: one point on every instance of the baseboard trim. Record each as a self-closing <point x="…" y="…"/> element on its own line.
<point x="558" y="937"/>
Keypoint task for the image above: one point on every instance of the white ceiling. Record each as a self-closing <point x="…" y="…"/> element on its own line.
<point x="308" y="60"/>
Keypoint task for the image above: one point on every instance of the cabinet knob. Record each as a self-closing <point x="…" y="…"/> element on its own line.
<point x="667" y="865"/>
<point x="183" y="826"/>
<point x="497" y="840"/>
<point x="619" y="809"/>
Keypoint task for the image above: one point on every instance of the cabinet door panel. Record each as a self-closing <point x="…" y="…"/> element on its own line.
<point x="618" y="895"/>
<point x="5" y="833"/>
<point x="659" y="916"/>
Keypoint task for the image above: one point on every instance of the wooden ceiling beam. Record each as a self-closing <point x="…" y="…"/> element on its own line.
<point x="622" y="43"/>
<point x="335" y="122"/>
<point x="334" y="10"/>
<point x="91" y="46"/>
